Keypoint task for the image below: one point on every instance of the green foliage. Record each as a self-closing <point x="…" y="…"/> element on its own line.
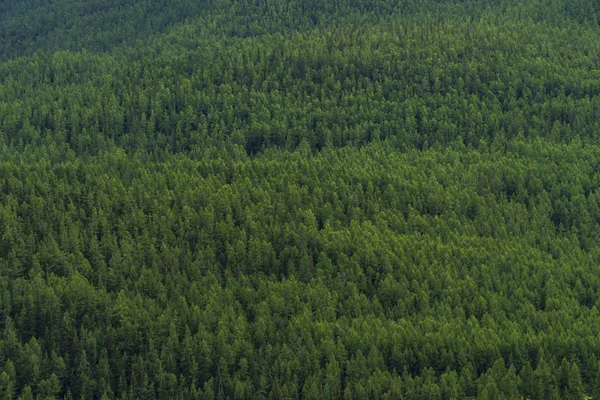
<point x="299" y="199"/>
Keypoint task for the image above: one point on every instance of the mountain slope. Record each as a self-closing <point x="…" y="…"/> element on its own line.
<point x="299" y="199"/>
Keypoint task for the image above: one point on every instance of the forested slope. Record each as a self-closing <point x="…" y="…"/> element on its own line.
<point x="299" y="199"/>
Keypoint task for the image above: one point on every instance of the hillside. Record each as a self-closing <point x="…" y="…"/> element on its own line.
<point x="299" y="199"/>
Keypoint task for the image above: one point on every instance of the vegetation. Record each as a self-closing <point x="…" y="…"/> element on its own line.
<point x="299" y="199"/>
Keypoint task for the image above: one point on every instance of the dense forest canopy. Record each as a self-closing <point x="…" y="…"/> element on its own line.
<point x="291" y="199"/>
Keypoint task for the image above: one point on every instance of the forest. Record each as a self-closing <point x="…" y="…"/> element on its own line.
<point x="299" y="199"/>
